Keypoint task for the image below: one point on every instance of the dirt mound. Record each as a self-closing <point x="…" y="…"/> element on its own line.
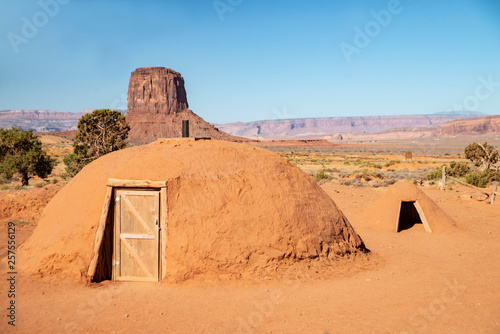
<point x="26" y="205"/>
<point x="387" y="212"/>
<point x="233" y="209"/>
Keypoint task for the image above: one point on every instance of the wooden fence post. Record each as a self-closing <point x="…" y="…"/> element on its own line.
<point x="493" y="195"/>
<point x="443" y="180"/>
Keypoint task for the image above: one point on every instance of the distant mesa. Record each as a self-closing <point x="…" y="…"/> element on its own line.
<point x="479" y="126"/>
<point x="157" y="105"/>
<point x="39" y="120"/>
<point x="333" y="125"/>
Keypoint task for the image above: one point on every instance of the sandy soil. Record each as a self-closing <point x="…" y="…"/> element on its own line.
<point x="423" y="283"/>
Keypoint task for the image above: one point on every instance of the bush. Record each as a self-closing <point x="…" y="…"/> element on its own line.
<point x="370" y="164"/>
<point x="322" y="175"/>
<point x="495" y="176"/>
<point x="436" y="175"/>
<point x="352" y="183"/>
<point x="101" y="132"/>
<point x="392" y="162"/>
<point x="478" y="179"/>
<point x="21" y="152"/>
<point x="455" y="169"/>
<point x="40" y="184"/>
<point x="458" y="169"/>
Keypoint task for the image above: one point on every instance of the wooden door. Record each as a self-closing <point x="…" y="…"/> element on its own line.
<point x="136" y="237"/>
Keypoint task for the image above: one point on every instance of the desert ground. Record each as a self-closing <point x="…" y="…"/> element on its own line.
<point x="413" y="282"/>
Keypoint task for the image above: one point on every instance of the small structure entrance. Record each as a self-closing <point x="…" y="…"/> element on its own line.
<point x="410" y="214"/>
<point x="136" y="235"/>
<point x="131" y="240"/>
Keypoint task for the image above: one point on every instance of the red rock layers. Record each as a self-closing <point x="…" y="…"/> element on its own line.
<point x="156" y="90"/>
<point x="157" y="104"/>
<point x="478" y="126"/>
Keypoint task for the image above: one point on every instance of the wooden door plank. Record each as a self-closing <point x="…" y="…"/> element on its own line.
<point x="143" y="193"/>
<point x="136" y="183"/>
<point x="136" y="214"/>
<point x="136" y="279"/>
<point x="137" y="236"/>
<point x="100" y="232"/>
<point x="423" y="218"/>
<point x="116" y="239"/>
<point x="137" y="257"/>
<point x="163" y="233"/>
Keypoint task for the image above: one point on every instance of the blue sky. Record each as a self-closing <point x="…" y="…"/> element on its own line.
<point x="248" y="60"/>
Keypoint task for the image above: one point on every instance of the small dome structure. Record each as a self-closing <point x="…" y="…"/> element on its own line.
<point x="402" y="207"/>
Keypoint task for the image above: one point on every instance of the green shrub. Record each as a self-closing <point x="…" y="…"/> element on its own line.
<point x="392" y="162"/>
<point x="436" y="175"/>
<point x="322" y="175"/>
<point x="458" y="169"/>
<point x="495" y="176"/>
<point x="478" y="179"/>
<point x="370" y="164"/>
<point x="455" y="169"/>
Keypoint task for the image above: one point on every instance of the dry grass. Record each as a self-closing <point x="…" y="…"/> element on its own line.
<point x="368" y="169"/>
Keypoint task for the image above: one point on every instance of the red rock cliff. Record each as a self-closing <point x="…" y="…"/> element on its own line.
<point x="156" y="90"/>
<point x="478" y="126"/>
<point x="157" y="105"/>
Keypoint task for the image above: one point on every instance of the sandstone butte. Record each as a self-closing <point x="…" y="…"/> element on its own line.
<point x="157" y="105"/>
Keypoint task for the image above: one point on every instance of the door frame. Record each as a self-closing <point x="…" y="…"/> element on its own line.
<point x="106" y="222"/>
